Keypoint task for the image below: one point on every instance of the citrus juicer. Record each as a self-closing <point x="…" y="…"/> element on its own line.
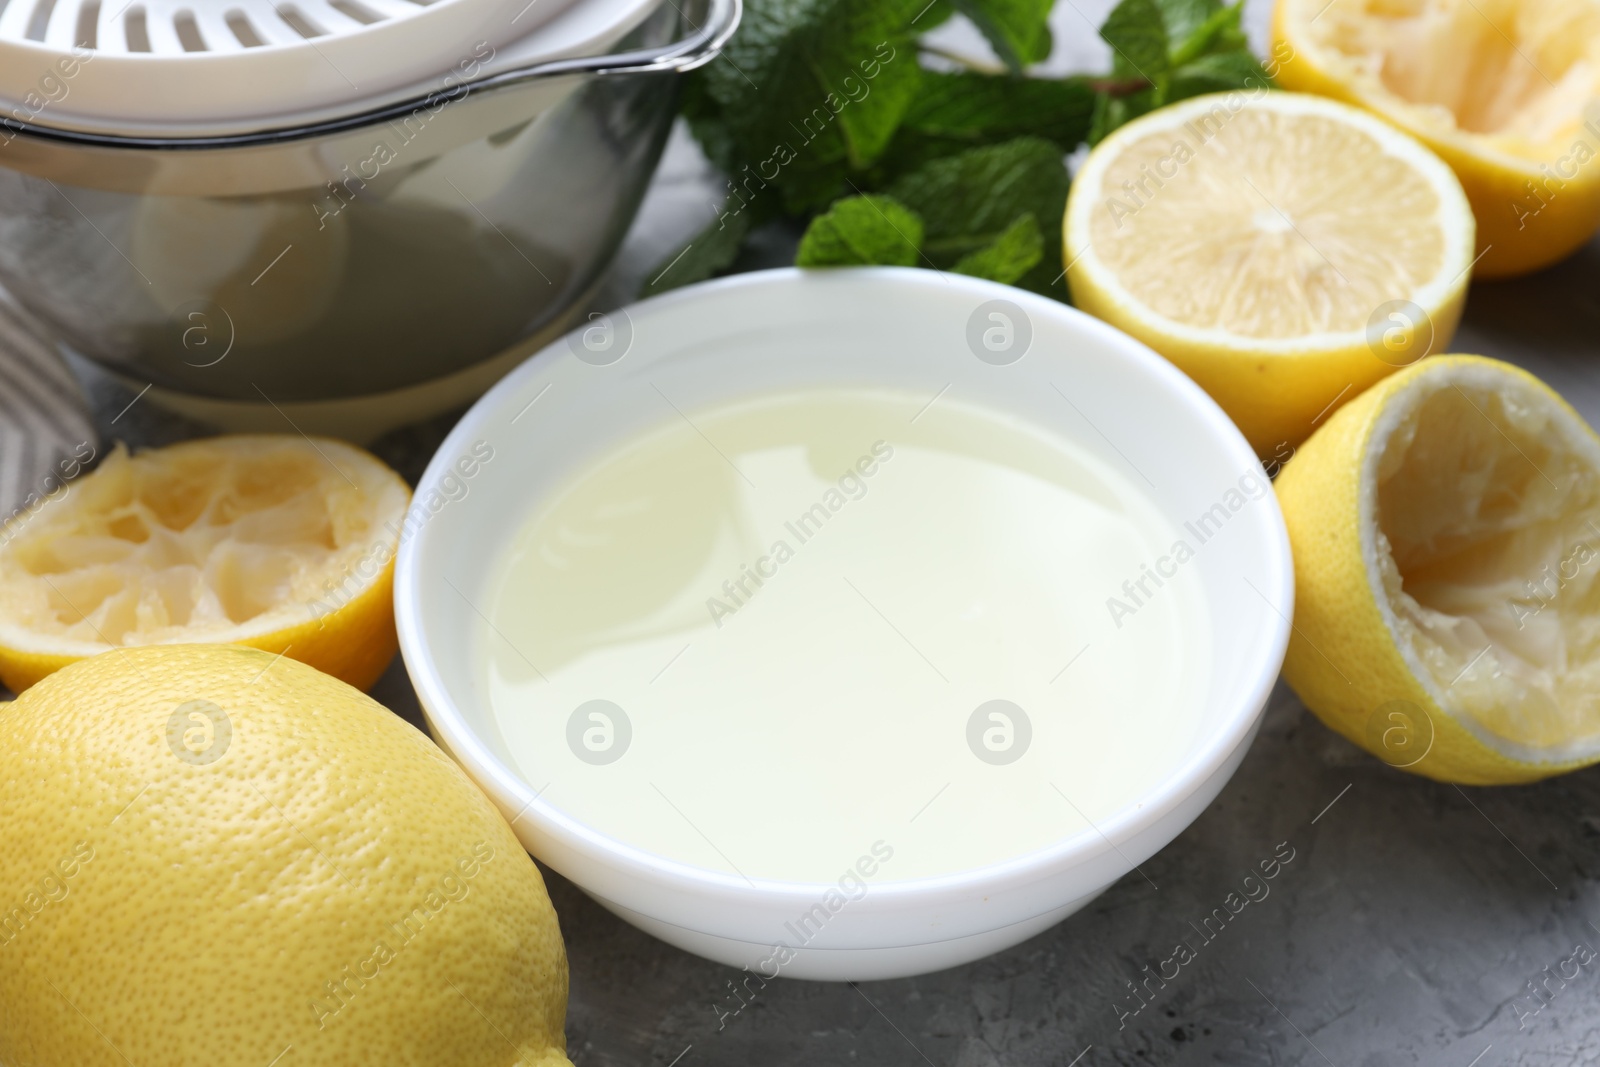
<point x="350" y="213"/>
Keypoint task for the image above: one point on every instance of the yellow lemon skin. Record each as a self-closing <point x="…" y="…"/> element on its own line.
<point x="1274" y="398"/>
<point x="355" y="643"/>
<point x="1343" y="661"/>
<point x="1520" y="230"/>
<point x="225" y="508"/>
<point x="213" y="857"/>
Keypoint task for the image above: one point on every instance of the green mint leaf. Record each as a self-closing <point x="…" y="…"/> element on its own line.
<point x="1008" y="257"/>
<point x="967" y="200"/>
<point x="1018" y="30"/>
<point x="972" y="201"/>
<point x="1183" y="18"/>
<point x="1219" y="32"/>
<point x="935" y="13"/>
<point x="1219" y="73"/>
<point x="868" y="119"/>
<point x="1137" y="33"/>
<point x="808" y="91"/>
<point x="1047" y="279"/>
<point x="1112" y="111"/>
<point x="862" y="230"/>
<point x="1207" y="53"/>
<point x="964" y="110"/>
<point x="712" y="251"/>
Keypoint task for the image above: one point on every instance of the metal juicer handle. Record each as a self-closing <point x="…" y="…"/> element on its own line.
<point x="685" y="54"/>
<point x="693" y="51"/>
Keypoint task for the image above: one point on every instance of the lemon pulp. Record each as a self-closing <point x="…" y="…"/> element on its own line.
<point x="1517" y="73"/>
<point x="214" y="540"/>
<point x="1505" y="91"/>
<point x="1285" y="251"/>
<point x="1486" y="506"/>
<point x="280" y="542"/>
<point x="1251" y="241"/>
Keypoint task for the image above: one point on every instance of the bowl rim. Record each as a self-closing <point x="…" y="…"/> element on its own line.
<point x="511" y="792"/>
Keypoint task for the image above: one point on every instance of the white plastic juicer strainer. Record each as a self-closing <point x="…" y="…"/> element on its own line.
<point x="354" y="212"/>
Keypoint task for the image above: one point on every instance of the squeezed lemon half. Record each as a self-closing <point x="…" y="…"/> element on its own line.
<point x="1284" y="250"/>
<point x="1506" y="91"/>
<point x="1446" y="535"/>
<point x="283" y="543"/>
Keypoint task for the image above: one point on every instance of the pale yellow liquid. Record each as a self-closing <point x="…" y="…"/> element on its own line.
<point x="780" y="735"/>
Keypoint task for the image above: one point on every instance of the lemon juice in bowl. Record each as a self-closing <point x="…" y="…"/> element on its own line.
<point x="775" y="635"/>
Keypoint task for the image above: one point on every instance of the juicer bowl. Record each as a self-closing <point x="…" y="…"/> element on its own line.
<point x="388" y="254"/>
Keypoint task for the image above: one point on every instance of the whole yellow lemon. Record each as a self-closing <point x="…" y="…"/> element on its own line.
<point x="213" y="856"/>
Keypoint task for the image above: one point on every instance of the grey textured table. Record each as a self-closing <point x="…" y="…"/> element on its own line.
<point x="1410" y="927"/>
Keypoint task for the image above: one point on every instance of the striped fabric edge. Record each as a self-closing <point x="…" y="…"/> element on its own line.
<point x="45" y="427"/>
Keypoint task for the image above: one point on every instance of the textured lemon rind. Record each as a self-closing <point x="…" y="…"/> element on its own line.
<point x="1344" y="659"/>
<point x="1510" y="244"/>
<point x="352" y="638"/>
<point x="220" y="909"/>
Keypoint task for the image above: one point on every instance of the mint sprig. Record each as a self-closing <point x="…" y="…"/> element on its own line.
<point x="862" y="230"/>
<point x="1010" y="256"/>
<point x="1018" y="30"/>
<point x="820" y="112"/>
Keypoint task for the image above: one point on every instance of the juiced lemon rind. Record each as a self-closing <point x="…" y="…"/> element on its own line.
<point x="1531" y="171"/>
<point x="1355" y="656"/>
<point x="282" y="543"/>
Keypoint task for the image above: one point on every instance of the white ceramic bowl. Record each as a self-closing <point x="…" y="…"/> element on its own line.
<point x="873" y="326"/>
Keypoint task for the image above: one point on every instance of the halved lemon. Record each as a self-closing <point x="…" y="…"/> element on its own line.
<point x="1506" y="91"/>
<point x="282" y="543"/>
<point x="1285" y="251"/>
<point x="1446" y="536"/>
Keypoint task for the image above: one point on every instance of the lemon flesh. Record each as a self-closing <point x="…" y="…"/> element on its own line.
<point x="1257" y="244"/>
<point x="1252" y="240"/>
<point x="1446" y="534"/>
<point x="1505" y="90"/>
<point x="278" y="541"/>
<point x="216" y="857"/>
<point x="1485" y="498"/>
